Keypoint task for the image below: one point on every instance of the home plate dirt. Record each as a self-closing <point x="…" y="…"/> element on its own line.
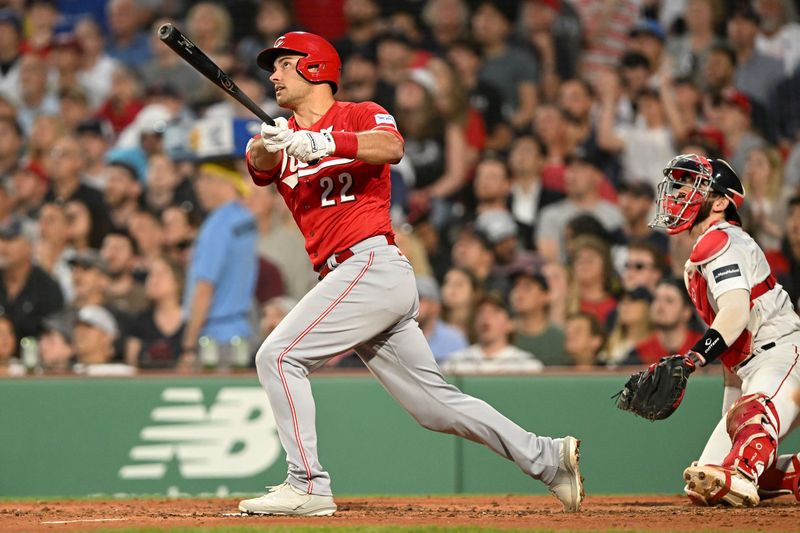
<point x="653" y="513"/>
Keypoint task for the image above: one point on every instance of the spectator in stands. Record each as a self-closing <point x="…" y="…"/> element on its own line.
<point x="635" y="201"/>
<point x="780" y="32"/>
<point x="27" y="293"/>
<point x="791" y="251"/>
<point x="491" y="185"/>
<point x="166" y="187"/>
<point x="363" y="28"/>
<point x="757" y="75"/>
<point x="122" y="192"/>
<point x="90" y="277"/>
<point x="534" y="331"/>
<point x="11" y="143"/>
<point x="593" y="281"/>
<point x="167" y="65"/>
<point x="501" y="232"/>
<point x="96" y="331"/>
<point x="9" y="345"/>
<point x="157" y="332"/>
<point x="65" y="56"/>
<point x="125" y="99"/>
<point x="56" y="353"/>
<point x="644" y="266"/>
<point x="511" y="70"/>
<point x="124" y="292"/>
<point x="670" y="314"/>
<point x="764" y="215"/>
<point x="94" y="136"/>
<point x="74" y="107"/>
<point x="443" y="338"/>
<point x="361" y="83"/>
<point x="272" y="312"/>
<point x="632" y="325"/>
<point x="718" y="70"/>
<point x="605" y="32"/>
<point x="528" y="196"/>
<point x="474" y="251"/>
<point x="734" y="121"/>
<point x="273" y="19"/>
<point x="128" y="43"/>
<point x="30" y="187"/>
<point x="493" y="351"/>
<point x="483" y="96"/>
<point x="447" y="22"/>
<point x="10" y="51"/>
<point x="582" y="183"/>
<point x="34" y="96"/>
<point x="210" y="26"/>
<point x="53" y="250"/>
<point x="147" y="232"/>
<point x="41" y="18"/>
<point x="97" y="66"/>
<point x="460" y="293"/>
<point x="221" y="279"/>
<point x="552" y="32"/>
<point x="688" y="52"/>
<point x="180" y="230"/>
<point x="647" y="37"/>
<point x="79" y="226"/>
<point x="551" y="128"/>
<point x="584" y="339"/>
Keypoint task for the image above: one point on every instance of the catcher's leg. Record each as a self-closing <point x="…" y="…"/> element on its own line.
<point x="781" y="478"/>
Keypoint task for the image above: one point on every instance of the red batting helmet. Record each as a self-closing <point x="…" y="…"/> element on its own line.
<point x="316" y="52"/>
<point x="688" y="181"/>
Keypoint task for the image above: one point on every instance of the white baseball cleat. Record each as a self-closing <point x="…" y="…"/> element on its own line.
<point x="710" y="485"/>
<point x="567" y="486"/>
<point x="288" y="500"/>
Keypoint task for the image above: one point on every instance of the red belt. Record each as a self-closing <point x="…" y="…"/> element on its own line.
<point x="341" y="257"/>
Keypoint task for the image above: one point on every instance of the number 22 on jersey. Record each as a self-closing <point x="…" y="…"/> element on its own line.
<point x="335" y="191"/>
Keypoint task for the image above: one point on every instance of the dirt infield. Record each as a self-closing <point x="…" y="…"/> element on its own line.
<point x="654" y="513"/>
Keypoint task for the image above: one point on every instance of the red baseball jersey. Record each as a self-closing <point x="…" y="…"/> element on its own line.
<point x="338" y="201"/>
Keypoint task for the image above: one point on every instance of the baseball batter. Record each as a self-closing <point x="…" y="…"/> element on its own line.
<point x="753" y="331"/>
<point x="330" y="162"/>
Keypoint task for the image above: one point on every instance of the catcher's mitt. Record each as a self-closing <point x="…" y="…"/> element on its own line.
<point x="656" y="392"/>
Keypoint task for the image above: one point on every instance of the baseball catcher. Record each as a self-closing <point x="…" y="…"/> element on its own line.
<point x="752" y="329"/>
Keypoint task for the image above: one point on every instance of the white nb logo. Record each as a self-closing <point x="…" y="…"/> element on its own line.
<point x="234" y="438"/>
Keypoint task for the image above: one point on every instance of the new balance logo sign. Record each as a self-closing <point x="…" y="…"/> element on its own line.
<point x="235" y="437"/>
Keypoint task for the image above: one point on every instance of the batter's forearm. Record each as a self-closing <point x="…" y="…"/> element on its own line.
<point x="260" y="158"/>
<point x="379" y="147"/>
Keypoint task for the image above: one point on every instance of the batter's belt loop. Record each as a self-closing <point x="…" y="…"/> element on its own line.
<point x="338" y="258"/>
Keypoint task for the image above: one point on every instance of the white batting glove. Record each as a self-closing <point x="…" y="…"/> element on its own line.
<point x="308" y="146"/>
<point x="275" y="138"/>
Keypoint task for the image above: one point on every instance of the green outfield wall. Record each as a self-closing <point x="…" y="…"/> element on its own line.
<point x="200" y="435"/>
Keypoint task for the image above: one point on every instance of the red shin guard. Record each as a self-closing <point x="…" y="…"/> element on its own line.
<point x="753" y="427"/>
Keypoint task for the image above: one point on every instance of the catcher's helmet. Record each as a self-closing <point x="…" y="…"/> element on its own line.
<point x="316" y="52"/>
<point x="688" y="181"/>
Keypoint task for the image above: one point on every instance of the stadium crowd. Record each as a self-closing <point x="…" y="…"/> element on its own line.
<point x="536" y="132"/>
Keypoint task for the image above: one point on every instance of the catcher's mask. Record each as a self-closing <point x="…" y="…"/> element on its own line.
<point x="688" y="181"/>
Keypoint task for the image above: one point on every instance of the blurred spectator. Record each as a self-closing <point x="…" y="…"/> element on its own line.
<point x="780" y="32"/>
<point x="27" y="293"/>
<point x="647" y="37"/>
<point x="500" y="230"/>
<point x="273" y="19"/>
<point x="221" y="277"/>
<point x="534" y="332"/>
<point x="53" y="250"/>
<point x="361" y="83"/>
<point x="166" y="65"/>
<point x="636" y="201"/>
<point x="10" y="52"/>
<point x="279" y="240"/>
<point x="791" y="251"/>
<point x="91" y="279"/>
<point x="443" y="338"/>
<point x="594" y="281"/>
<point x="11" y="143"/>
<point x="95" y="137"/>
<point x="605" y="31"/>
<point x="30" y="187"/>
<point x="718" y="69"/>
<point x="47" y="129"/>
<point x="552" y="31"/>
<point x="645" y="265"/>
<point x="74" y="106"/>
<point x="9" y="345"/>
<point x="735" y="123"/>
<point x="157" y="332"/>
<point x="483" y="96"/>
<point x="491" y="185"/>
<point x="460" y="293"/>
<point x="128" y="43"/>
<point x="66" y="58"/>
<point x="756" y="74"/>
<point x="166" y="187"/>
<point x="493" y="351"/>
<point x="528" y="196"/>
<point x="447" y="21"/>
<point x="670" y="314"/>
<point x="96" y="330"/>
<point x="79" y="226"/>
<point x="56" y="353"/>
<point x="582" y="185"/>
<point x="584" y="339"/>
<point x="209" y="25"/>
<point x="272" y="312"/>
<point x="34" y="96"/>
<point x="122" y="192"/>
<point x="688" y="52"/>
<point x="180" y="230"/>
<point x="363" y="27"/>
<point x="124" y="292"/>
<point x="147" y="232"/>
<point x="97" y="67"/>
<point x="124" y="99"/>
<point x="512" y="71"/>
<point x="474" y="251"/>
<point x="551" y="128"/>
<point x="764" y="213"/>
<point x="631" y="327"/>
<point x="395" y="57"/>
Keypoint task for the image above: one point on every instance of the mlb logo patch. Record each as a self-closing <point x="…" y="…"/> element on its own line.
<point x="385" y="119"/>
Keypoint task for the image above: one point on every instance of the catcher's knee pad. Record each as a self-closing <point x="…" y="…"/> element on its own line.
<point x="753" y="426"/>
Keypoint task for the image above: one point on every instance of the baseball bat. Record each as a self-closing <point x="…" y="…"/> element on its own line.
<point x="184" y="47"/>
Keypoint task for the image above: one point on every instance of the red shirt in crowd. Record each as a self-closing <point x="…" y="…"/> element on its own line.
<point x="650" y="349"/>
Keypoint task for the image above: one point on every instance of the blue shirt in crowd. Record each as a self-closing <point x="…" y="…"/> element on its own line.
<point x="225" y="255"/>
<point x="446" y="340"/>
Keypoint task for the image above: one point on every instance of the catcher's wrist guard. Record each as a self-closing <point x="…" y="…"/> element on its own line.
<point x="709" y="347"/>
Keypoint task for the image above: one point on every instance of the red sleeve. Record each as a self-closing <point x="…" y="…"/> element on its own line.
<point x="369" y="116"/>
<point x="262" y="178"/>
<point x="476" y="130"/>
